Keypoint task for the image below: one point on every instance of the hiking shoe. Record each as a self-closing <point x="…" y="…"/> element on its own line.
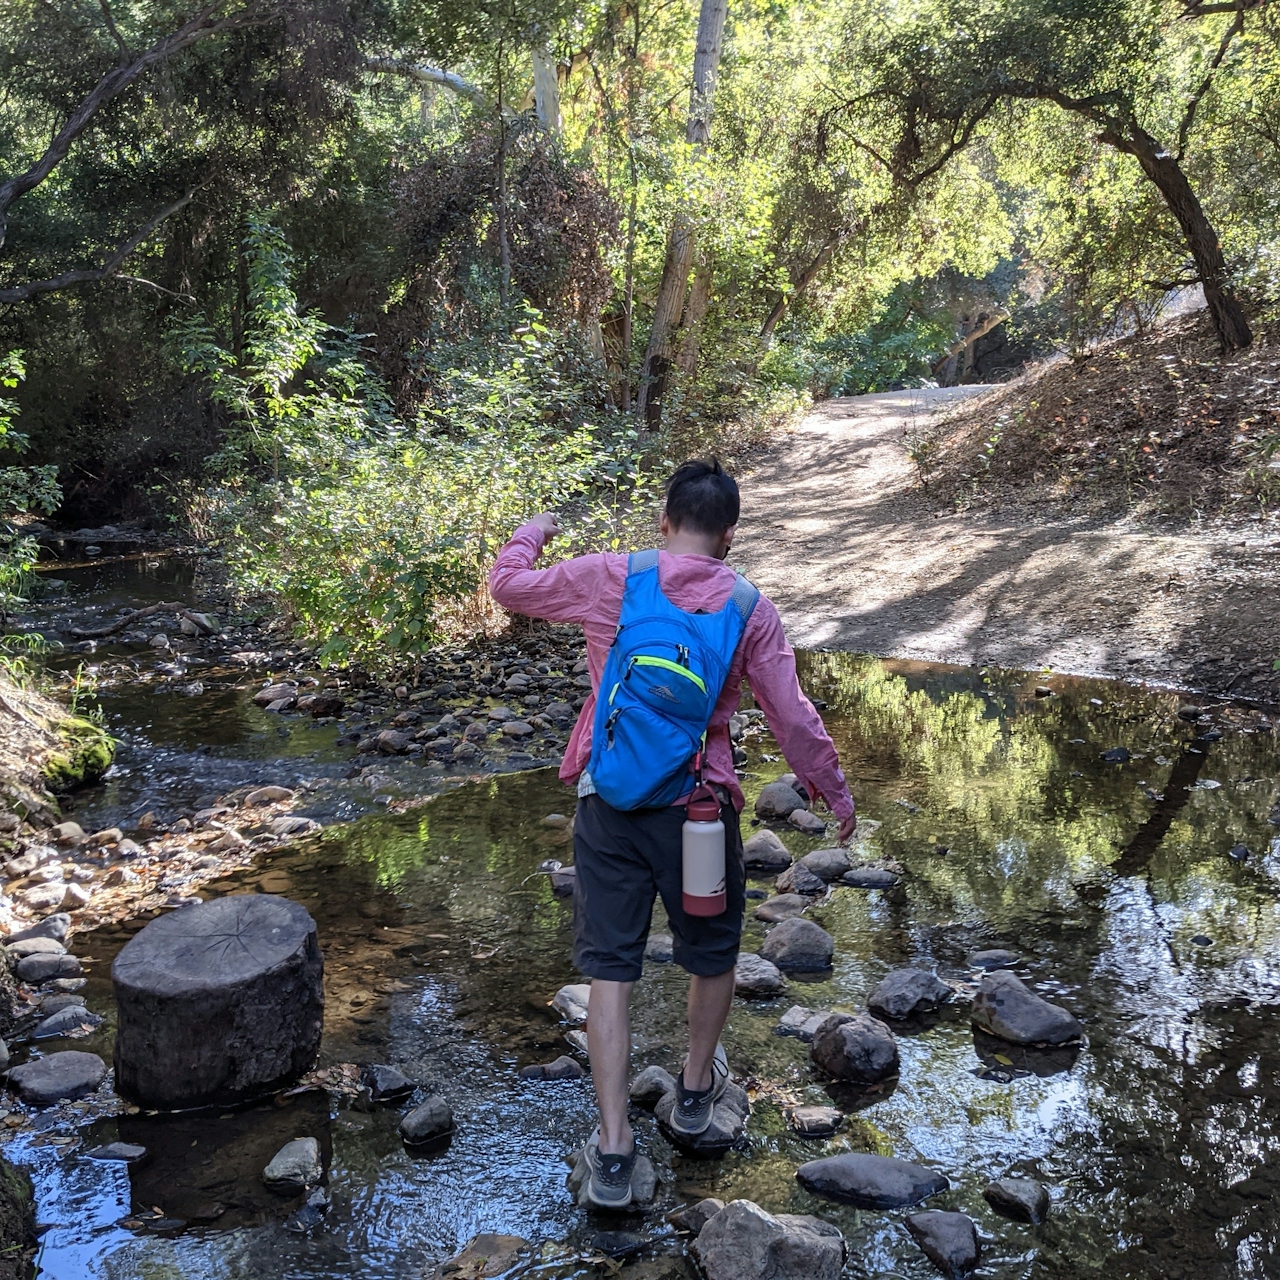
<point x="609" y="1186"/>
<point x="692" y="1113"/>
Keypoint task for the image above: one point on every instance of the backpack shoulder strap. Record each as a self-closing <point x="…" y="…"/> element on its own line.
<point x="744" y="598"/>
<point x="640" y="561"/>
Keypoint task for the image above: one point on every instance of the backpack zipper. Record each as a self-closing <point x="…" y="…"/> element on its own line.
<point x="644" y="660"/>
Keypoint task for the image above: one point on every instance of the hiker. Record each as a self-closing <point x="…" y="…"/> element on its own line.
<point x="696" y="628"/>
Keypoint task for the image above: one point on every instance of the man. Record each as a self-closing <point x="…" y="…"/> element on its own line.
<point x="624" y="859"/>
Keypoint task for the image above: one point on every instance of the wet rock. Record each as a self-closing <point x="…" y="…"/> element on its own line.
<point x="218" y="1002"/>
<point x="43" y="966"/>
<point x="35" y="947"/>
<point x="486" y="1256"/>
<point x="660" y="948"/>
<point x="293" y="825"/>
<point x="295" y="1167"/>
<point x="111" y="835"/>
<point x="388" y="1086"/>
<point x="692" y="1218"/>
<point x="563" y="881"/>
<point x="268" y="795"/>
<point x="1023" y="1199"/>
<point x="72" y="1019"/>
<point x="51" y="1004"/>
<point x="801" y="1022"/>
<point x="996" y="958"/>
<point x="756" y="978"/>
<point x="870" y="1182"/>
<point x="1004" y="1007"/>
<point x="815" y="1122"/>
<point x="728" y="1122"/>
<point x="948" y="1240"/>
<point x="743" y="1242"/>
<point x="777" y="800"/>
<point x="798" y="944"/>
<point x="43" y="897"/>
<point x="427" y="1122"/>
<point x="765" y="854"/>
<point x="56" y="926"/>
<point x="809" y="823"/>
<point x="273" y="694"/>
<point x="571" y="1001"/>
<point x="44" y="1081"/>
<point x="1117" y="755"/>
<point x="785" y="906"/>
<point x="391" y="742"/>
<point x="868" y="878"/>
<point x="857" y="1050"/>
<point x="477" y="731"/>
<point x="563" y="1068"/>
<point x="124" y="1152"/>
<point x="904" y="992"/>
<point x="798" y="879"/>
<point x="827" y="864"/>
<point x="1238" y="853"/>
<point x="66" y="833"/>
<point x="650" y="1086"/>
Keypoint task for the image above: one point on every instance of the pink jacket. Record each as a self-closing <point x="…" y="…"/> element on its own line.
<point x="588" y="590"/>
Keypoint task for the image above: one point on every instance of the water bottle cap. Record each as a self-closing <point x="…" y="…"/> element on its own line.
<point x="704" y="805"/>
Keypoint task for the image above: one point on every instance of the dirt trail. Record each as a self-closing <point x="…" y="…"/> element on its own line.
<point x="838" y="532"/>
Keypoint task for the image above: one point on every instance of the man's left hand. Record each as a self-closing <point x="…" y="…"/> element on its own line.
<point x="847" y="828"/>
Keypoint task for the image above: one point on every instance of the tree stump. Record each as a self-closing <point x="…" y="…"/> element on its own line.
<point x="218" y="1003"/>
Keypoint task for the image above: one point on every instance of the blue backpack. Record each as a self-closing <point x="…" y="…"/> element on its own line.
<point x="661" y="682"/>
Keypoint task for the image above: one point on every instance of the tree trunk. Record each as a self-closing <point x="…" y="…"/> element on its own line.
<point x="675" y="271"/>
<point x="1164" y="170"/>
<point x="546" y="91"/>
<point x="695" y="312"/>
<point x="807" y="277"/>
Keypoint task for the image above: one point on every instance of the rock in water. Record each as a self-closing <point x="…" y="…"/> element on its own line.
<point x="571" y="1001"/>
<point x="949" y="1241"/>
<point x="563" y="1068"/>
<point x="1023" y="1199"/>
<point x="784" y="906"/>
<point x="801" y="1022"/>
<point x="44" y="1081"/>
<point x="809" y="823"/>
<point x="827" y="864"/>
<point x="692" y="1218"/>
<point x="44" y="965"/>
<point x="743" y="1242"/>
<point x="764" y="854"/>
<point x="904" y="992"/>
<point x="1004" y="1007"/>
<point x="870" y="1182"/>
<point x="387" y="1085"/>
<point x="778" y="800"/>
<point x="487" y="1255"/>
<point x="295" y="1167"/>
<point x="124" y="1152"/>
<point x="996" y="958"/>
<point x="859" y="1050"/>
<point x="728" y="1122"/>
<point x="425" y="1123"/>
<point x="757" y="978"/>
<point x="868" y="878"/>
<point x="649" y="1087"/>
<point x="799" y="945"/>
<point x="644" y="1180"/>
<point x="816" y="1122"/>
<point x="218" y="1002"/>
<point x="799" y="879"/>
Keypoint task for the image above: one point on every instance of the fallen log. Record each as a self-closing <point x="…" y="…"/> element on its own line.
<point x="97" y="633"/>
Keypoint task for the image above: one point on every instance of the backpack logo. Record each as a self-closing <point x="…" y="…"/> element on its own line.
<point x="664" y="691"/>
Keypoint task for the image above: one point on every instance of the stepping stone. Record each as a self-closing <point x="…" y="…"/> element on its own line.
<point x="870" y="1182"/>
<point x="69" y="1075"/>
<point x="66" y="1021"/>
<point x="949" y="1241"/>
<point x="56" y="926"/>
<point x="43" y="966"/>
<point x="778" y="800"/>
<point x="816" y="1122"/>
<point x="571" y="1001"/>
<point x="765" y="854"/>
<point x="431" y="1120"/>
<point x="904" y="992"/>
<point x="644" y="1180"/>
<point x="756" y="978"/>
<point x="650" y="1086"/>
<point x="827" y="864"/>
<point x="744" y="1242"/>
<point x="692" y="1218"/>
<point x="728" y="1122"/>
<point x="809" y="823"/>
<point x="801" y="1022"/>
<point x="387" y="1085"/>
<point x="1023" y="1199"/>
<point x="218" y="1002"/>
<point x="868" y="878"/>
<point x="784" y="906"/>
<point x="856" y="1050"/>
<point x="35" y="946"/>
<point x="799" y="879"/>
<point x="996" y="958"/>
<point x="1004" y="1007"/>
<point x="799" y="945"/>
<point x="563" y="1068"/>
<point x="295" y="1167"/>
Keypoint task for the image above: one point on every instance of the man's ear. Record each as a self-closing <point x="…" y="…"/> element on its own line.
<point x="728" y="535"/>
<point x="664" y="524"/>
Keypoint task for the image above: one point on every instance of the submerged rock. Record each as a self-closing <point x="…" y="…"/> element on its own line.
<point x="765" y="854"/>
<point x="124" y="1152"/>
<point x="868" y="878"/>
<point x="903" y="992"/>
<point x="295" y="1167"/>
<point x="949" y="1241"/>
<point x="996" y="958"/>
<point x="743" y="1242"/>
<point x="44" y="1081"/>
<point x="783" y="906"/>
<point x="756" y="978"/>
<point x="563" y="1068"/>
<point x="67" y="1021"/>
<point x="870" y="1182"/>
<point x="857" y="1050"/>
<point x="486" y="1256"/>
<point x="1004" y="1007"/>
<point x="1023" y="1199"/>
<point x="800" y="945"/>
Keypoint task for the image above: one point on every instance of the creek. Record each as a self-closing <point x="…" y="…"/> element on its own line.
<point x="443" y="946"/>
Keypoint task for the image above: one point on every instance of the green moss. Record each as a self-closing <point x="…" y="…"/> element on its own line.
<point x="86" y="754"/>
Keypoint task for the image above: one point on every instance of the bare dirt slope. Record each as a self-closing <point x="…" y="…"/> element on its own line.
<point x="837" y="530"/>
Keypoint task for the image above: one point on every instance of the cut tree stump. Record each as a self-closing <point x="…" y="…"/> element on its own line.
<point x="218" y="1002"/>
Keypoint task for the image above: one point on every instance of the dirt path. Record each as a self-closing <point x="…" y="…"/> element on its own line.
<point x="838" y="532"/>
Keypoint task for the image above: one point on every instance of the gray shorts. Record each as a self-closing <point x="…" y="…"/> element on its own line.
<point x="624" y="861"/>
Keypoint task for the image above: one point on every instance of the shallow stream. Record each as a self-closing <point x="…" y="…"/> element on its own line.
<point x="1159" y="1139"/>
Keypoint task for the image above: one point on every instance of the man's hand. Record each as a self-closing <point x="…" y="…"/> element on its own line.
<point x="548" y="523"/>
<point x="847" y="827"/>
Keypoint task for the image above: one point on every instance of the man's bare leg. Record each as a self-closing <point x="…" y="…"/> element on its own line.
<point x="609" y="1044"/>
<point x="709" y="1003"/>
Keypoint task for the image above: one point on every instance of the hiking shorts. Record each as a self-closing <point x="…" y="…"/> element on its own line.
<point x="626" y="859"/>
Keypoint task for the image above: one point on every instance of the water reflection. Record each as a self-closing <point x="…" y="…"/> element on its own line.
<point x="1112" y="882"/>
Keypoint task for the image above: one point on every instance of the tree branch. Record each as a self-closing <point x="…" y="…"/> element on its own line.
<point x="1189" y="115"/>
<point x="87" y="275"/>
<point x="979" y="331"/>
<point x="432" y="75"/>
<point x="1197" y="9"/>
<point x="115" y="82"/>
<point x="115" y="31"/>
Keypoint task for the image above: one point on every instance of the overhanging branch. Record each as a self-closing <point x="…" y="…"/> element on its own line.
<point x="426" y="74"/>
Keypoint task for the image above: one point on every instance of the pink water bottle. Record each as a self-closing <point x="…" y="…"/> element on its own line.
<point x="703" y="855"/>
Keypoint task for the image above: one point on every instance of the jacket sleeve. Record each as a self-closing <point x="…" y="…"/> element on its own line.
<point x="565" y="592"/>
<point x="769" y="664"/>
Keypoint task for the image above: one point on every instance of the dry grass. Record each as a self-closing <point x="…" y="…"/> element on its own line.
<point x="1159" y="424"/>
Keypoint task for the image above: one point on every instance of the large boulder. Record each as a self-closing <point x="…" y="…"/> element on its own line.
<point x="1004" y="1007"/>
<point x="44" y="1081"/>
<point x="870" y="1182"/>
<point x="765" y="855"/>
<point x="778" y="800"/>
<point x="799" y="945"/>
<point x="949" y="1241"/>
<point x="904" y="992"/>
<point x="743" y="1242"/>
<point x="857" y="1050"/>
<point x="218" y="1002"/>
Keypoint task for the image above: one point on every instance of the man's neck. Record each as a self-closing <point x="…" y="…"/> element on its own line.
<point x="683" y="542"/>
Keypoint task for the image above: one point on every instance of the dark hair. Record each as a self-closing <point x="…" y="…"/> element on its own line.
<point x="702" y="496"/>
